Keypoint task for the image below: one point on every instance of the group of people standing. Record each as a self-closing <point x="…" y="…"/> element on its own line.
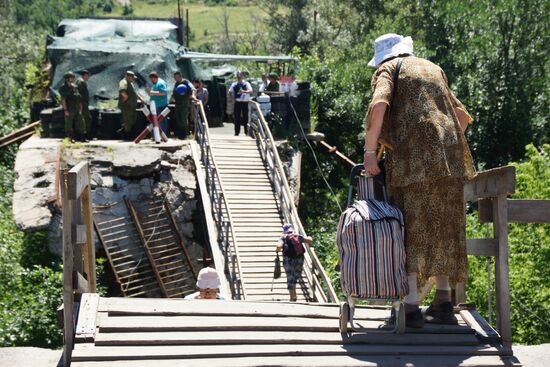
<point x="182" y="94"/>
<point x="75" y="101"/>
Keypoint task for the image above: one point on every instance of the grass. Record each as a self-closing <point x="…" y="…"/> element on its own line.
<point x="205" y="22"/>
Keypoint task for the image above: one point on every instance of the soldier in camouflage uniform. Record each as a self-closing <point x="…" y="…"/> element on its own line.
<point x="183" y="103"/>
<point x="127" y="102"/>
<point x="72" y="105"/>
<point x="82" y="85"/>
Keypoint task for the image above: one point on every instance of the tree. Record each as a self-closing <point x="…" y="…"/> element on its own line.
<point x="288" y="24"/>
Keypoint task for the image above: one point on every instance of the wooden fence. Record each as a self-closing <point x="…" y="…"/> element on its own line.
<point x="491" y="189"/>
<point x="79" y="268"/>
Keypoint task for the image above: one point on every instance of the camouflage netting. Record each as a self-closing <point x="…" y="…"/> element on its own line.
<point x="109" y="47"/>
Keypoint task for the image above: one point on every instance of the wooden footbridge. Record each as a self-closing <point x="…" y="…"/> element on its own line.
<point x="246" y="199"/>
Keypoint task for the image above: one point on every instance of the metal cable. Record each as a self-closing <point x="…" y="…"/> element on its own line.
<point x="314" y="155"/>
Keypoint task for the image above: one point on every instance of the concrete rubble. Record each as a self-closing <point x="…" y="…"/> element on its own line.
<point x="118" y="170"/>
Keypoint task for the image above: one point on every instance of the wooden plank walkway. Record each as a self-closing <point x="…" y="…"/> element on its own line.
<point x="255" y="215"/>
<point x="172" y="332"/>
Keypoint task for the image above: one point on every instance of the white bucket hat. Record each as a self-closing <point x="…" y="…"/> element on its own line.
<point x="208" y="278"/>
<point x="390" y="45"/>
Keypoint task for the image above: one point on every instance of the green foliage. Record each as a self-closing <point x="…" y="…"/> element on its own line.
<point x="529" y="257"/>
<point x="29" y="293"/>
<point x="127" y="10"/>
<point x="33" y="14"/>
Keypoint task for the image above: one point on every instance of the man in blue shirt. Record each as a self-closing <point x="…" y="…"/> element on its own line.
<point x="241" y="90"/>
<point x="159" y="95"/>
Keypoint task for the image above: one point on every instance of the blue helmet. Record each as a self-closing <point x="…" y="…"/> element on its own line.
<point x="182" y="89"/>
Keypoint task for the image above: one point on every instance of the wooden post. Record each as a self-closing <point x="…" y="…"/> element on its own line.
<point x="89" y="251"/>
<point x="76" y="211"/>
<point x="68" y="300"/>
<point x="500" y="220"/>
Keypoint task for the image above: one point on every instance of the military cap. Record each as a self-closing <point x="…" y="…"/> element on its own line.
<point x="68" y="75"/>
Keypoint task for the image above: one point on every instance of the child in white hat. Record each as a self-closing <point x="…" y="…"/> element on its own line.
<point x="208" y="283"/>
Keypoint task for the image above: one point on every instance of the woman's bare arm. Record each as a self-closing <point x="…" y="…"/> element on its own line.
<point x="371" y="138"/>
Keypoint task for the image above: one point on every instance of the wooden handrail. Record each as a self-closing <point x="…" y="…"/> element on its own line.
<point x="290" y="213"/>
<point x="490" y="189"/>
<point x="202" y="133"/>
<point x="77" y="259"/>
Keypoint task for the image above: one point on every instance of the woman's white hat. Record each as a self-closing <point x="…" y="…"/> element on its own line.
<point x="390" y="45"/>
<point x="208" y="278"/>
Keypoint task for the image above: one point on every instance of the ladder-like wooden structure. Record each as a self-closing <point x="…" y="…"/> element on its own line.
<point x="146" y="251"/>
<point x="164" y="247"/>
<point x="126" y="254"/>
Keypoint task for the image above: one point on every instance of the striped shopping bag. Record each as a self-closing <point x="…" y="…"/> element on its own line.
<point x="370" y="241"/>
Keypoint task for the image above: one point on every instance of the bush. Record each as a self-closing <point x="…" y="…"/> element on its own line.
<point x="529" y="257"/>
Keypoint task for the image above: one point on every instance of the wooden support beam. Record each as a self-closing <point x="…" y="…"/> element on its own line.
<point x="68" y="298"/>
<point x="80" y="283"/>
<point x="483" y="330"/>
<point x="491" y="183"/>
<point x="89" y="248"/>
<point x="78" y="179"/>
<point x="502" y="285"/>
<point x="22" y="133"/>
<point x="482" y="246"/>
<point x="135" y="219"/>
<point x="519" y="211"/>
<point x="179" y="238"/>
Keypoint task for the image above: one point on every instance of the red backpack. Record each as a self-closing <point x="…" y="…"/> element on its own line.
<point x="293" y="246"/>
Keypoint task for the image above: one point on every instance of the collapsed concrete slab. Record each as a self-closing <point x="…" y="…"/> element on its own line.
<point x="119" y="170"/>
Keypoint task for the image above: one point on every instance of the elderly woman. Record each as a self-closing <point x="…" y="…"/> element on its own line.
<point x="208" y="282"/>
<point x="422" y="124"/>
<point x="292" y="246"/>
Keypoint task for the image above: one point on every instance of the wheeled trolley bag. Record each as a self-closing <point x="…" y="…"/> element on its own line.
<point x="371" y="248"/>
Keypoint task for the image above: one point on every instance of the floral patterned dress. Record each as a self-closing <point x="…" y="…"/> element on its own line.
<point x="427" y="162"/>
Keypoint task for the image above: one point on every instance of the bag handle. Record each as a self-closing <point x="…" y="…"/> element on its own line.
<point x="357" y="170"/>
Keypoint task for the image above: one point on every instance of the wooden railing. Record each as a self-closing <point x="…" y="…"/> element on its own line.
<point x="220" y="209"/>
<point x="490" y="189"/>
<point x="321" y="285"/>
<point x="79" y="269"/>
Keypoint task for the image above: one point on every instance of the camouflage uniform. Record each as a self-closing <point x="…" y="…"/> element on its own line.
<point x="73" y="120"/>
<point x="82" y="87"/>
<point x="182" y="102"/>
<point x="128" y="107"/>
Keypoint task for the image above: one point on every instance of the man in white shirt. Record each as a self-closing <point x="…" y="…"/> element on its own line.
<point x="241" y="90"/>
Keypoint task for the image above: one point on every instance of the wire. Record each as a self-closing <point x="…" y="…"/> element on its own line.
<point x="314" y="155"/>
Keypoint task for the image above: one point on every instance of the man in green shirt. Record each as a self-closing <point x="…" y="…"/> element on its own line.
<point x="127" y="102"/>
<point x="183" y="102"/>
<point x="82" y="85"/>
<point x="72" y="106"/>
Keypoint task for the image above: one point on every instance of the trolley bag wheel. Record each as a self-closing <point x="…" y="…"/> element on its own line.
<point x="344" y="317"/>
<point x="401" y="322"/>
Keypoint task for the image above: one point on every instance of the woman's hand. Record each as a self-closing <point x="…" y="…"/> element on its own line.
<point x="371" y="164"/>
